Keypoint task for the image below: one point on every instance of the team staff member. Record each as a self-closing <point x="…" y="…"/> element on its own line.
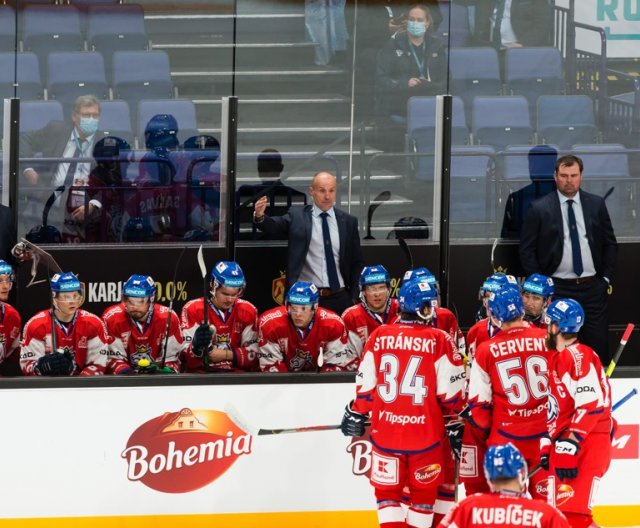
<point x="138" y="326"/>
<point x="410" y="377"/>
<point x="507" y="505"/>
<point x="581" y="425"/>
<point x="324" y="244"/>
<point x="508" y="385"/>
<point x="80" y="345"/>
<point x="229" y="342"/>
<point x="568" y="235"/>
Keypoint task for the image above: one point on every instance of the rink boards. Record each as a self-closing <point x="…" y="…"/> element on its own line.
<point x="170" y="456"/>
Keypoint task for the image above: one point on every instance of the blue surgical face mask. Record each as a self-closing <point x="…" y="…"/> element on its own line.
<point x="415" y="28"/>
<point x="88" y="125"/>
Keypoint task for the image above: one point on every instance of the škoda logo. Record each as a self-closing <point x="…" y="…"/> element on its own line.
<point x="183" y="451"/>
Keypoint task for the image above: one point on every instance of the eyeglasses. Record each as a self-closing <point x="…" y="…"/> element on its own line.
<point x="89" y="115"/>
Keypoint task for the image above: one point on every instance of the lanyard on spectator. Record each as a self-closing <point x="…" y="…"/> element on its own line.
<point x="419" y="63"/>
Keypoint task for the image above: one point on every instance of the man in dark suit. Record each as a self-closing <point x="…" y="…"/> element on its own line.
<point x="60" y="139"/>
<point x="324" y="244"/>
<point x="568" y="235"/>
<point x="7" y="233"/>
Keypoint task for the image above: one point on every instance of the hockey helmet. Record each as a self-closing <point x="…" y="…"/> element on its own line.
<point x="44" y="234"/>
<point x="415" y="294"/>
<point x="504" y="462"/>
<point x="420" y="274"/>
<point x="568" y="313"/>
<point x="65" y="282"/>
<point x="505" y="304"/>
<point x="539" y="285"/>
<point x="6" y="269"/>
<point x="138" y="229"/>
<point x="228" y="274"/>
<point x="302" y="293"/>
<point x="139" y="286"/>
<point x="374" y="275"/>
<point x="161" y="133"/>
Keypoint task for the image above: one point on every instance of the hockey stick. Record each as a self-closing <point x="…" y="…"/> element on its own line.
<point x="175" y="289"/>
<point x="39" y="255"/>
<point x="251" y="429"/>
<point x="203" y="272"/>
<point x="406" y="250"/>
<point x="621" y="345"/>
<point x="377" y="202"/>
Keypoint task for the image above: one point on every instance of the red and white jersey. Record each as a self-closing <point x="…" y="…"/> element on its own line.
<point x="508" y="383"/>
<point x="444" y="319"/>
<point x="580" y="400"/>
<point x="85" y="337"/>
<point x="361" y="322"/>
<point x="10" y="325"/>
<point x="236" y="331"/>
<point x="284" y="348"/>
<point x="133" y="341"/>
<point x="410" y="377"/>
<point x="480" y="332"/>
<point x="484" y="510"/>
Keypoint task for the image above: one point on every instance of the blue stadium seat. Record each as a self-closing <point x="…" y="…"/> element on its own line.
<point x="115" y="120"/>
<point x="474" y="71"/>
<point x="76" y="73"/>
<point x="501" y="121"/>
<point x="454" y="29"/>
<point x="566" y="120"/>
<point x="182" y="109"/>
<point x="34" y="115"/>
<point x="141" y="75"/>
<point x="533" y="72"/>
<point x="7" y="28"/>
<point x="421" y="122"/>
<point x="29" y="80"/>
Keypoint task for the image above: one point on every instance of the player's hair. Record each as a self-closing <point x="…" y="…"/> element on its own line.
<point x="568" y="161"/>
<point x="85" y="100"/>
<point x="568" y="336"/>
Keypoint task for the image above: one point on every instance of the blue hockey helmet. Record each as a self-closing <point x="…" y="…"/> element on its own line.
<point x="497" y="281"/>
<point x="138" y="229"/>
<point x="65" y="282"/>
<point x="374" y="275"/>
<point x="539" y="285"/>
<point x="228" y="274"/>
<point x="302" y="293"/>
<point x="567" y="313"/>
<point x="505" y="304"/>
<point x="44" y="234"/>
<point x="161" y="133"/>
<point x="504" y="462"/>
<point x="421" y="274"/>
<point x="139" y="286"/>
<point x="415" y="294"/>
<point x="6" y="269"/>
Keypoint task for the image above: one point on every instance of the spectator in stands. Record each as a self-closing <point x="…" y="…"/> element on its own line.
<point x="411" y="63"/>
<point x="326" y="28"/>
<point x="542" y="160"/>
<point x="59" y="139"/>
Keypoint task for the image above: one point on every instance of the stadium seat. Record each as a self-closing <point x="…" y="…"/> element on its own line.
<point x="474" y="72"/>
<point x="36" y="114"/>
<point x="501" y="121"/>
<point x="421" y="123"/>
<point x="76" y="73"/>
<point x="115" y="120"/>
<point x="29" y="80"/>
<point x="566" y="120"/>
<point x="533" y="72"/>
<point x="7" y="28"/>
<point x="182" y="109"/>
<point x="454" y="29"/>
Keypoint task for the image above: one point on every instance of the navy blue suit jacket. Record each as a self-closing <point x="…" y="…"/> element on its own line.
<point x="296" y="225"/>
<point x="542" y="235"/>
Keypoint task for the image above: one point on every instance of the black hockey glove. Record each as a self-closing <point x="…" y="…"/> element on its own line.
<point x="545" y="452"/>
<point x="564" y="458"/>
<point x="55" y="364"/>
<point x="353" y="423"/>
<point x="201" y="342"/>
<point x="454" y="432"/>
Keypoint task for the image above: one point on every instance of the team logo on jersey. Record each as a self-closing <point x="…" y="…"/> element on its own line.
<point x="564" y="493"/>
<point x="278" y="287"/>
<point x="142" y="352"/>
<point x="300" y="359"/>
<point x="223" y="340"/>
<point x="428" y="473"/>
<point x="183" y="451"/>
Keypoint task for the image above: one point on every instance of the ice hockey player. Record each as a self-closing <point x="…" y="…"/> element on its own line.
<point x="537" y="291"/>
<point x="10" y="322"/>
<point x="580" y="422"/>
<point x="80" y="344"/>
<point x="508" y="387"/>
<point x="507" y="505"/>
<point x="138" y="326"/>
<point x="376" y="308"/>
<point x="411" y="376"/>
<point x="301" y="336"/>
<point x="226" y="340"/>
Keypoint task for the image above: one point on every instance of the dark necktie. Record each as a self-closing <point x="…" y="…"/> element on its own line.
<point x="68" y="179"/>
<point x="332" y="272"/>
<point x="575" y="240"/>
<point x="496" y="36"/>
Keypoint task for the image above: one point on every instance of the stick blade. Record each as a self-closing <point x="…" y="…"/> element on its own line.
<point x="203" y="267"/>
<point x="239" y="420"/>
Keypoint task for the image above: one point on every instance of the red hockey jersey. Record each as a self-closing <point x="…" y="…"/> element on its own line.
<point x="410" y="377"/>
<point x="85" y="338"/>
<point x="133" y="342"/>
<point x="237" y="332"/>
<point x="508" y="384"/>
<point x="10" y="325"/>
<point x="283" y="348"/>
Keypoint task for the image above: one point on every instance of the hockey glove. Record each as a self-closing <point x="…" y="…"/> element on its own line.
<point x="201" y="342"/>
<point x="545" y="452"/>
<point x="454" y="432"/>
<point x="564" y="458"/>
<point x="54" y="364"/>
<point x="353" y="423"/>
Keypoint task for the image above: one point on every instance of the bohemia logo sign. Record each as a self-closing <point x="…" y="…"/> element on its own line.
<point x="183" y="451"/>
